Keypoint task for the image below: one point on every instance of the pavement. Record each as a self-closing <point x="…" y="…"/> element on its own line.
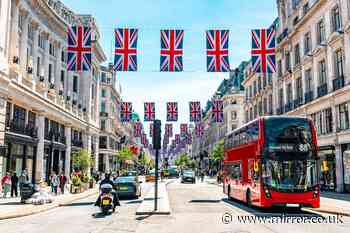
<point x="147" y="205"/>
<point x="199" y="207"/>
<point x="331" y="202"/>
<point x="13" y="208"/>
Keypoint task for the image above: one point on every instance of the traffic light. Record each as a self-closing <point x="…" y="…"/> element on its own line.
<point x="157" y="132"/>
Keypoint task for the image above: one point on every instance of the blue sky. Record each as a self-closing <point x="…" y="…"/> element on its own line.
<point x="194" y="16"/>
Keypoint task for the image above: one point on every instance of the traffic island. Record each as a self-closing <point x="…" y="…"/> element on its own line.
<point x="147" y="205"/>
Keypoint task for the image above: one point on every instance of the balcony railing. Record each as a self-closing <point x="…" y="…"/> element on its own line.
<point x="338" y="83"/>
<point x="280" y="111"/>
<point x="21" y="128"/>
<point x="283" y="35"/>
<point x="309" y="96"/>
<point x="298" y="102"/>
<point x="288" y="107"/>
<point x="103" y="114"/>
<point x="55" y="136"/>
<point x="322" y="90"/>
<point x="77" y="142"/>
<point x="103" y="145"/>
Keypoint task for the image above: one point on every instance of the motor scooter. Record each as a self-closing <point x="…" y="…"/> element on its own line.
<point x="106" y="198"/>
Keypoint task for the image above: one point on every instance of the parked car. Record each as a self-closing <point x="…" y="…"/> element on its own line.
<point x="188" y="176"/>
<point x="127" y="186"/>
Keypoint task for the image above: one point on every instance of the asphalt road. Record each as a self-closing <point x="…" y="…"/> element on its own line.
<point x="197" y="207"/>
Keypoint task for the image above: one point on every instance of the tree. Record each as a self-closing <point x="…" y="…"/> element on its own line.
<point x="183" y="161"/>
<point x="217" y="154"/>
<point x="123" y="155"/>
<point x="81" y="160"/>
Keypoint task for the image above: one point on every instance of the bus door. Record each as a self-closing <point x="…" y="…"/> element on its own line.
<point x="253" y="177"/>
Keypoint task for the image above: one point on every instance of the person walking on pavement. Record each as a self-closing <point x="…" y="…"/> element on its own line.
<point x="54" y="183"/>
<point x="6" y="183"/>
<point x="63" y="181"/>
<point x="14" y="184"/>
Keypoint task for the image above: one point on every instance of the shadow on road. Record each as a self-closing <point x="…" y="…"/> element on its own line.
<point x="101" y="215"/>
<point x="140" y="218"/>
<point x="80" y="204"/>
<point x="12" y="203"/>
<point x="271" y="212"/>
<point x="204" y="201"/>
<point x="134" y="202"/>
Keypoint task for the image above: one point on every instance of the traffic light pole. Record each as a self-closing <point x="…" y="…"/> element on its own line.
<point x="157" y="146"/>
<point x="156" y="182"/>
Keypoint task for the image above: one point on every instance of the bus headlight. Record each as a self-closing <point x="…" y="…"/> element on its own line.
<point x="267" y="192"/>
<point x="316" y="192"/>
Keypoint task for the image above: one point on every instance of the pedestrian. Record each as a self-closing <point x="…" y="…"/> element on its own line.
<point x="14" y="184"/>
<point x="23" y="178"/>
<point x="63" y="181"/>
<point x="54" y="183"/>
<point x="6" y="184"/>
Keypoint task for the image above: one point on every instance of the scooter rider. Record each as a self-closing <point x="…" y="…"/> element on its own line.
<point x="107" y="180"/>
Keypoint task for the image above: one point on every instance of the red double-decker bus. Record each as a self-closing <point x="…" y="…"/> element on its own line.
<point x="272" y="161"/>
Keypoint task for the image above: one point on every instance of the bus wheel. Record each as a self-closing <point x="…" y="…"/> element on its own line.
<point x="248" y="199"/>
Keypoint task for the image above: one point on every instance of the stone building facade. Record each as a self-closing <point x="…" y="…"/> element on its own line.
<point x="47" y="113"/>
<point x="313" y="70"/>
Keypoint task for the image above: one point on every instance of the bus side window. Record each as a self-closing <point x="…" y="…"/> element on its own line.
<point x="236" y="171"/>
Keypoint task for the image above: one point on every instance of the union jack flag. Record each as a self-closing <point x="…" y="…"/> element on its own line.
<point x="217" y="51"/>
<point x="165" y="140"/>
<point x="150" y="113"/>
<point x="263" y="50"/>
<point x="172" y="111"/>
<point x="177" y="139"/>
<point x="169" y="130"/>
<point x="125" y="58"/>
<point x="171" y="50"/>
<point x="195" y="111"/>
<point x="125" y="111"/>
<point x="189" y="139"/>
<point x="79" y="48"/>
<point x="217" y="111"/>
<point x="199" y="129"/>
<point x="151" y="129"/>
<point x="137" y="129"/>
<point x="144" y="139"/>
<point x="183" y="129"/>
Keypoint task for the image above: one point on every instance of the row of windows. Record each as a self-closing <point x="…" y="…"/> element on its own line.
<point x="321" y="38"/>
<point x="262" y="108"/>
<point x="324" y="120"/>
<point x="258" y="85"/>
<point x="322" y="88"/>
<point x="244" y="135"/>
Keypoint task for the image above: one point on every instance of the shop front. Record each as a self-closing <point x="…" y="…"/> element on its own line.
<point x="327" y="168"/>
<point x="20" y="154"/>
<point x="345" y="148"/>
<point x="54" y="159"/>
